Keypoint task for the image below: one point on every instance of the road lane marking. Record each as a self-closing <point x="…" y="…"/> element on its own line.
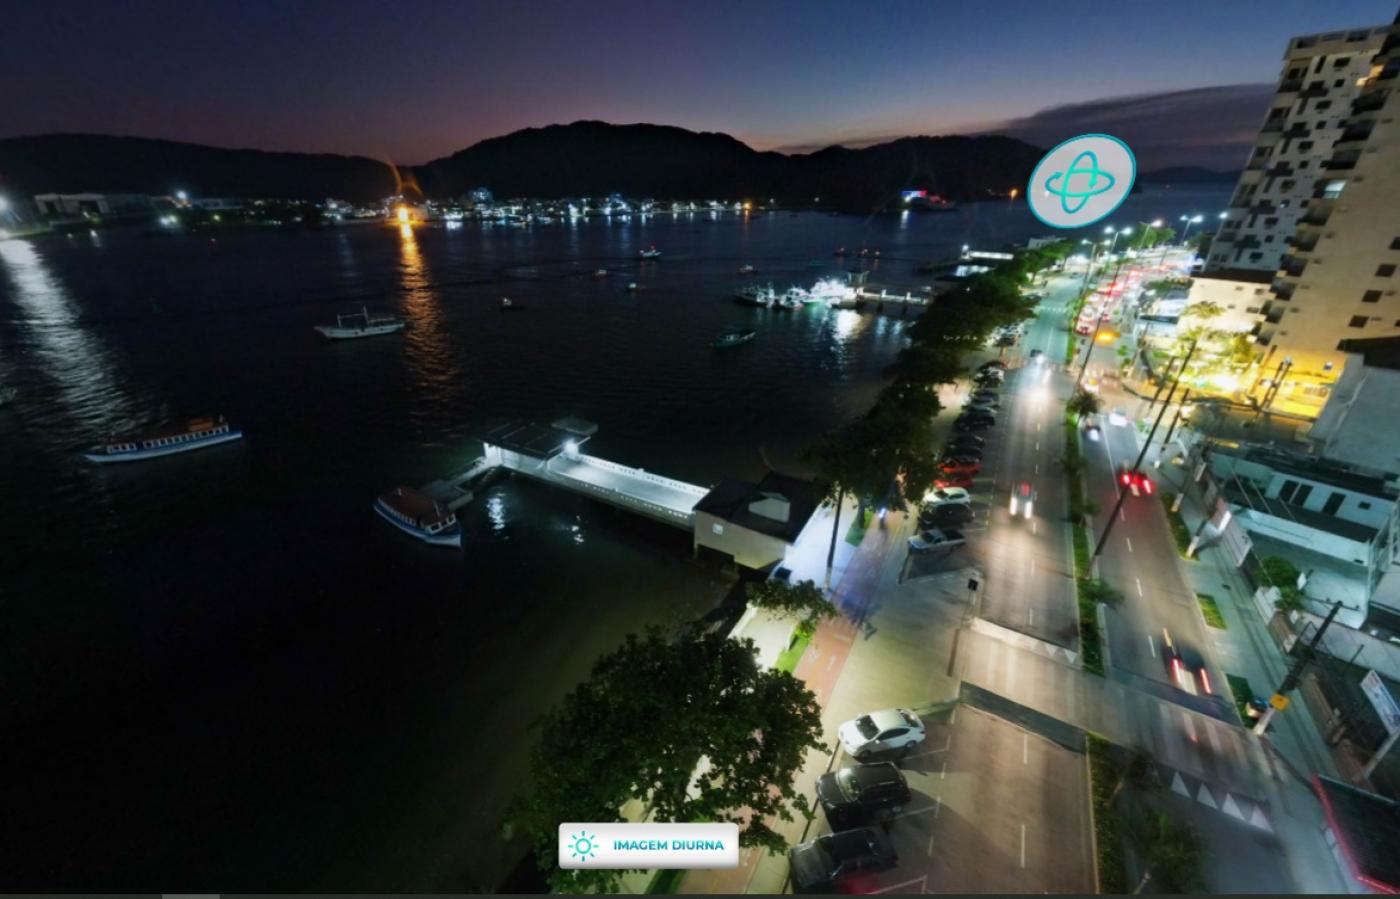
<point x="943" y="774"/>
<point x="1190" y="727"/>
<point x="1037" y="446"/>
<point x="930" y="846"/>
<point x="1121" y="516"/>
<point x="1151" y="646"/>
<point x="1033" y="528"/>
<point x="1138" y="581"/>
<point x="953" y="717"/>
<point x="1023" y="845"/>
<point x="937" y="804"/>
<point x="1130" y="543"/>
<point x="1030" y="616"/>
<point x="831" y="661"/>
<point x="1025" y="749"/>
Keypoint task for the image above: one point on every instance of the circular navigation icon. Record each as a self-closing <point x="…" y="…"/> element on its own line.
<point x="1081" y="181"/>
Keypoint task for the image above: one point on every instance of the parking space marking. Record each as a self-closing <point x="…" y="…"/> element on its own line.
<point x="930" y="846"/>
<point x="900" y="886"/>
<point x="1130" y="543"/>
<point x="1138" y="580"/>
<point x="1151" y="646"/>
<point x="1025" y="749"/>
<point x="1030" y="616"/>
<point x="937" y="804"/>
<point x="1023" y="845"/>
<point x="943" y="773"/>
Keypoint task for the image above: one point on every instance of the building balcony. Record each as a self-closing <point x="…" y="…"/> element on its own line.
<point x="1342" y="161"/>
<point x="1256" y="165"/>
<point x="1283" y="289"/>
<point x="1354" y="133"/>
<point x="1309" y="93"/>
<point x="1279" y="170"/>
<point x="1290" y="85"/>
<point x="1315" y="216"/>
<point x="1262" y="207"/>
<point x="1272" y="125"/>
<point x="1305" y="242"/>
<point x="1295" y="131"/>
<point x="1292" y="265"/>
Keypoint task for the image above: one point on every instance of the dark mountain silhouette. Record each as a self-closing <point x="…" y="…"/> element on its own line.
<point x="74" y="163"/>
<point x="1188" y="174"/>
<point x="581" y="159"/>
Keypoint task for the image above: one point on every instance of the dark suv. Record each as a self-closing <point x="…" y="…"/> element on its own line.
<point x="819" y="865"/>
<point x="862" y="794"/>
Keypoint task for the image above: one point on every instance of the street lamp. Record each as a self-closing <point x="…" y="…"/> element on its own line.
<point x="1190" y="220"/>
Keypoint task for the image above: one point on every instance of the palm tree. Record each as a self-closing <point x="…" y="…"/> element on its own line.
<point x="1083" y="403"/>
<point x="1172" y="853"/>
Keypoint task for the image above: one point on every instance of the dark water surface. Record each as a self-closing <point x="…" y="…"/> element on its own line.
<point x="222" y="671"/>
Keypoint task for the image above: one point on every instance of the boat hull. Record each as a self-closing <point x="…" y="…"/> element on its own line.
<point x="332" y="332"/>
<point x="446" y="538"/>
<point x="140" y="455"/>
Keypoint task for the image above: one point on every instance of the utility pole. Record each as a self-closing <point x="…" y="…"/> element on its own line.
<point x="1098" y="323"/>
<point x="1295" y="674"/>
<point x="1123" y="491"/>
<point x="1166" y="376"/>
<point x="1186" y="395"/>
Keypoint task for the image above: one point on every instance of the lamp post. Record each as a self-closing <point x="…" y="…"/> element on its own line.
<point x="1190" y="220"/>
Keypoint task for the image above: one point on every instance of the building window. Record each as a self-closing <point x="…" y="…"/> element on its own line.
<point x="1357" y="321"/>
<point x="1385" y="271"/>
<point x="1363" y="506"/>
<point x="1302" y="495"/>
<point x="1395" y="243"/>
<point x="1286" y="492"/>
<point x="1305" y="145"/>
<point x="1371" y="296"/>
<point x="1334" y="502"/>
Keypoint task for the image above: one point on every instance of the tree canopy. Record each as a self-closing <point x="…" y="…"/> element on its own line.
<point x="693" y="727"/>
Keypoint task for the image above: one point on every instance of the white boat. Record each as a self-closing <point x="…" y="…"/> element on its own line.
<point x="361" y="324"/>
<point x="754" y="295"/>
<point x="650" y="253"/>
<point x="832" y="292"/>
<point x="192" y="435"/>
<point x="792" y="298"/>
<point x="419" y="515"/>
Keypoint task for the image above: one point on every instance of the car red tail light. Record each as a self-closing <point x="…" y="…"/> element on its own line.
<point x="1125" y="478"/>
<point x="1205" y="682"/>
<point x="1147" y="485"/>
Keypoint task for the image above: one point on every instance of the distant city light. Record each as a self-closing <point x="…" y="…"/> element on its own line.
<point x="403" y="215"/>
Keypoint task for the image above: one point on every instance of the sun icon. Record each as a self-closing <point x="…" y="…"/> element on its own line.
<point x="581" y="846"/>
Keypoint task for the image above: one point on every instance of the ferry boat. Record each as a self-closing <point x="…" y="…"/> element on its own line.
<point x="733" y="337"/>
<point x="419" y="516"/>
<point x="195" y="434"/>
<point x="650" y="253"/>
<point x="792" y="298"/>
<point x="361" y="324"/>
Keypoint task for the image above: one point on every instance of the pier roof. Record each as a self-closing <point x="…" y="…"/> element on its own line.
<point x="731" y="500"/>
<point x="537" y="441"/>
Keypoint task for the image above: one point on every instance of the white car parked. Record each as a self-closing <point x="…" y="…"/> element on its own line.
<point x="882" y="731"/>
<point x="947" y="496"/>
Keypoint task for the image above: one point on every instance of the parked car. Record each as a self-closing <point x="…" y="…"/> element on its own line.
<point x="966" y="441"/>
<point x="1006" y="340"/>
<point x="970" y="453"/>
<point x="986" y="393"/>
<point x="861" y="794"/>
<point x="881" y="731"/>
<point x="954" y="496"/>
<point x="974" y="420"/>
<point x="1091" y="427"/>
<point x="992" y="364"/>
<point x="949" y="481"/>
<point x="943" y="517"/>
<point x="960" y="466"/>
<point x="1117" y="418"/>
<point x="818" y="866"/>
<point x="932" y="539"/>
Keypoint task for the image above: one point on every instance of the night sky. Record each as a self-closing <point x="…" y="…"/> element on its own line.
<point x="411" y="81"/>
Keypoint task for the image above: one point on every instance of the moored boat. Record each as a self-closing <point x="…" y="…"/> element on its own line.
<point x="360" y="324"/>
<point x="192" y="435"/>
<point x="419" y="515"/>
<point x="650" y="253"/>
<point x="733" y="337"/>
<point x="747" y="270"/>
<point x="754" y="295"/>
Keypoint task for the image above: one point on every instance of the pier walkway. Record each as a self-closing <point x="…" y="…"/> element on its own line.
<point x="551" y="454"/>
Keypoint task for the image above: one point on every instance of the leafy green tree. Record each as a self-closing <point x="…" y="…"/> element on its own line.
<point x="803" y="600"/>
<point x="1138" y="771"/>
<point x="694" y="728"/>
<point x="1172" y="853"/>
<point x="1276" y="571"/>
<point x="1083" y="403"/>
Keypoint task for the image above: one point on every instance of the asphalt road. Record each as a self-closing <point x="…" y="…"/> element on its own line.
<point x="1030" y="584"/>
<point x="1140" y="559"/>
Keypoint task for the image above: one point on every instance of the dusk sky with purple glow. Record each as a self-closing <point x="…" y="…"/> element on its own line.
<point x="416" y="80"/>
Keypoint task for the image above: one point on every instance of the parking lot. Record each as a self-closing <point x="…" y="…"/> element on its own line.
<point x="995" y="809"/>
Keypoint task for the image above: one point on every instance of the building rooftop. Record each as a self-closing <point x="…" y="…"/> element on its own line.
<point x="731" y="500"/>
<point x="1379" y="352"/>
<point x="1254" y="276"/>
<point x="1315" y="468"/>
<point x="1367" y="827"/>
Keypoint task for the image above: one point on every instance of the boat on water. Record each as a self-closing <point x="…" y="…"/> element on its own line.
<point x="650" y="253"/>
<point x="508" y="306"/>
<point x="733" y="337"/>
<point x="361" y="324"/>
<point x="792" y="298"/>
<point x="419" y="515"/>
<point x="195" y="434"/>
<point x="747" y="270"/>
<point x="633" y="287"/>
<point x="601" y="273"/>
<point x="755" y="295"/>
